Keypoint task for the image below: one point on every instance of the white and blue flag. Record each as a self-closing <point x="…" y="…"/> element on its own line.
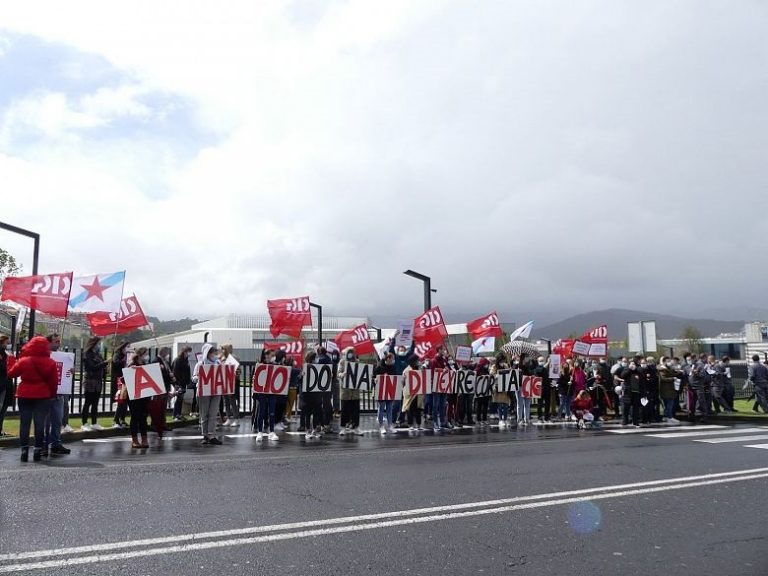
<point x="97" y="293"/>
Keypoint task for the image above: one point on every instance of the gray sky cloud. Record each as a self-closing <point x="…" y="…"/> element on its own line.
<point x="529" y="156"/>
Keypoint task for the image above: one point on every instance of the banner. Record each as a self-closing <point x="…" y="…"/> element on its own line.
<point x="65" y="368"/>
<point x="317" y="378"/>
<point x="271" y="379"/>
<point x="358" y="376"/>
<point x="485" y="327"/>
<point x="463" y="354"/>
<point x="130" y="317"/>
<point x="442" y="381"/>
<point x="418" y="382"/>
<point x="554" y="366"/>
<point x="484" y="385"/>
<point x="143" y="381"/>
<point x="216" y="380"/>
<point x="597" y="338"/>
<point x="581" y="348"/>
<point x="294" y="349"/>
<point x="563" y="347"/>
<point x="358" y="339"/>
<point x="404" y="334"/>
<point x="289" y="316"/>
<point x="427" y="350"/>
<point x="97" y="293"/>
<point x="389" y="387"/>
<point x="47" y="293"/>
<point x="508" y="381"/>
<point x="530" y="387"/>
<point x="464" y="383"/>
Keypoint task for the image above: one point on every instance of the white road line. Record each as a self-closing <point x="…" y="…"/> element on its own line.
<point x="168" y="438"/>
<point x="763" y="446"/>
<point x="645" y="430"/>
<point x="369" y="517"/>
<point x="106" y="440"/>
<point x="181" y="548"/>
<point x="705" y="433"/>
<point x="732" y="439"/>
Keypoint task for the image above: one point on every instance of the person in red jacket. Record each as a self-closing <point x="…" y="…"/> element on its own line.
<point x="39" y="382"/>
<point x="582" y="408"/>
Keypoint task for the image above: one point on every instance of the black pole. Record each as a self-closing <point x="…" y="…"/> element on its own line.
<point x="427" y="294"/>
<point x="319" y="322"/>
<point x="35" y="258"/>
<point x="13" y="332"/>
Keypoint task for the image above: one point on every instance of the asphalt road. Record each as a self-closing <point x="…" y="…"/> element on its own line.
<point x="529" y="501"/>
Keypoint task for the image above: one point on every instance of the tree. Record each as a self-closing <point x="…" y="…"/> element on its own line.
<point x="692" y="339"/>
<point x="8" y="266"/>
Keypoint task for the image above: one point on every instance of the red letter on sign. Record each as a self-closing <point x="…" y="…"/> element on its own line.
<point x="143" y="382"/>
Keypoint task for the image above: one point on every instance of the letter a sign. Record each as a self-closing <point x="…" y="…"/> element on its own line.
<point x="143" y="381"/>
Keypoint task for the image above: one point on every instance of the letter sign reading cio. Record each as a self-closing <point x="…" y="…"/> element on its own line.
<point x="271" y="379"/>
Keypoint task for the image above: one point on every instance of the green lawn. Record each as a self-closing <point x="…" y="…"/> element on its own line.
<point x="11" y="424"/>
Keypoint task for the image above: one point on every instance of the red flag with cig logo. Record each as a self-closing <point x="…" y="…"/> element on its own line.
<point x="564" y="347"/>
<point x="47" y="293"/>
<point x="289" y="316"/>
<point x="597" y="335"/>
<point x="294" y="349"/>
<point x="429" y="332"/>
<point x="130" y="317"/>
<point x="485" y="327"/>
<point x="358" y="338"/>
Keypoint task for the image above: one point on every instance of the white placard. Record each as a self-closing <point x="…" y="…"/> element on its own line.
<point x="404" y="334"/>
<point x="581" y="348"/>
<point x="65" y="368"/>
<point x="143" y="381"/>
<point x="463" y="354"/>
<point x="554" y="366"/>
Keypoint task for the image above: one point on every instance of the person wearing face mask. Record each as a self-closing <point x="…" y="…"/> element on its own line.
<point x="386" y="366"/>
<point x="718" y="374"/>
<point x="544" y="406"/>
<point x="439" y="407"/>
<point x="7" y="360"/>
<point x="699" y="382"/>
<point x="413" y="405"/>
<point x="630" y="394"/>
<point x="402" y="356"/>
<point x="564" y="391"/>
<point x="667" y="391"/>
<point x="615" y="380"/>
<point x="501" y="399"/>
<point x="231" y="406"/>
<point x="157" y="404"/>
<point x="207" y="405"/>
<point x="729" y="392"/>
<point x="119" y="361"/>
<point x="350" y="399"/>
<point x="182" y="378"/>
<point x="265" y="414"/>
<point x="95" y="369"/>
<point x="650" y="376"/>
<point x="757" y="373"/>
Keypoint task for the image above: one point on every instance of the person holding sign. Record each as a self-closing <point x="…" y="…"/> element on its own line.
<point x="413" y="404"/>
<point x="95" y="367"/>
<point x="386" y="367"/>
<point x="350" y="397"/>
<point x="7" y="360"/>
<point x="483" y="399"/>
<point x="208" y="405"/>
<point x="139" y="407"/>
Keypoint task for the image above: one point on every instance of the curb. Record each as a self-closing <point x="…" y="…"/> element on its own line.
<point x="66" y="437"/>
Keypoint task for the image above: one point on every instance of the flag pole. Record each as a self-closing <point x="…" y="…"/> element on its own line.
<point x="117" y="324"/>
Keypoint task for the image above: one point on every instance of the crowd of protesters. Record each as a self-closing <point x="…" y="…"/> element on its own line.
<point x="638" y="391"/>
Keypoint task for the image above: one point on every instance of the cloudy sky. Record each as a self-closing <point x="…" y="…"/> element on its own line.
<point x="532" y="157"/>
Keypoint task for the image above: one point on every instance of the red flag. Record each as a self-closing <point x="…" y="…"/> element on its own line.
<point x="358" y="338"/>
<point x="426" y="347"/>
<point x="428" y="324"/>
<point x="129" y="318"/>
<point x="47" y="293"/>
<point x="597" y="335"/>
<point x="564" y="347"/>
<point x="289" y="316"/>
<point x="485" y="327"/>
<point x="294" y="349"/>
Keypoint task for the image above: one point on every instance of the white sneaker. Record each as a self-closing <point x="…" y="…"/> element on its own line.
<point x="383" y="430"/>
<point x="227" y="424"/>
<point x="391" y="430"/>
<point x="259" y="436"/>
<point x="357" y="432"/>
<point x="67" y="428"/>
<point x="234" y="423"/>
<point x="279" y="427"/>
<point x="97" y="427"/>
<point x="673" y="421"/>
<point x="308" y="436"/>
<point x="273" y="437"/>
<point x="115" y="425"/>
<point x="342" y="432"/>
<point x="86" y="428"/>
<point x="412" y="428"/>
<point x="502" y="424"/>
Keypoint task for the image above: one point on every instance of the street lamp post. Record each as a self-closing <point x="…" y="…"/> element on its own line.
<point x="427" y="287"/>
<point x="319" y="322"/>
<point x="35" y="258"/>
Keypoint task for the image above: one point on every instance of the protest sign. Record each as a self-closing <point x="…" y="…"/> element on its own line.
<point x="530" y="387"/>
<point x="215" y="380"/>
<point x="508" y="381"/>
<point x="418" y="382"/>
<point x="581" y="348"/>
<point x="358" y="376"/>
<point x="484" y="385"/>
<point x="463" y="354"/>
<point x="65" y="368"/>
<point x="554" y="366"/>
<point x="464" y="382"/>
<point x="271" y="379"/>
<point x="143" y="381"/>
<point x="442" y="381"/>
<point x="317" y="378"/>
<point x="389" y="387"/>
<point x="404" y="334"/>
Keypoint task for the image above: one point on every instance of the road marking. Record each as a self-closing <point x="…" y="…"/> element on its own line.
<point x="763" y="446"/>
<point x="581" y="494"/>
<point x="165" y="438"/>
<point x="645" y="430"/>
<point x="705" y="433"/>
<point x="105" y="440"/>
<point x="448" y="513"/>
<point x="732" y="439"/>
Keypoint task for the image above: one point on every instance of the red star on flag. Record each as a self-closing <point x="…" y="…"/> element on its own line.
<point x="95" y="290"/>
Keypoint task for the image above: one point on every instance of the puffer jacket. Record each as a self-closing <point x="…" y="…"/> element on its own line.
<point x="38" y="373"/>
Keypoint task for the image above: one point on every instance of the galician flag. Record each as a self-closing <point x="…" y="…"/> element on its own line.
<point x="484" y="345"/>
<point x="523" y="332"/>
<point x="97" y="293"/>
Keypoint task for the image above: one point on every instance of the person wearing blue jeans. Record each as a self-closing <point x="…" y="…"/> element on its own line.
<point x="33" y="410"/>
<point x="266" y="414"/>
<point x="386" y="407"/>
<point x="53" y="428"/>
<point x="438" y="411"/>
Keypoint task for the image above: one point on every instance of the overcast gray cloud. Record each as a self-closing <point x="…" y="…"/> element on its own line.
<point x="530" y="156"/>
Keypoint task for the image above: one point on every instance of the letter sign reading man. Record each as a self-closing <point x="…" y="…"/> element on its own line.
<point x="143" y="381"/>
<point x="216" y="380"/>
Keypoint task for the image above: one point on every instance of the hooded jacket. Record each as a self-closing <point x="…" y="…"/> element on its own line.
<point x="203" y="361"/>
<point x="346" y="394"/>
<point x="38" y="373"/>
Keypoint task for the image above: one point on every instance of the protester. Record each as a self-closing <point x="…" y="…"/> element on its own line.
<point x="53" y="423"/>
<point x="386" y="366"/>
<point x="699" y="381"/>
<point x="157" y="404"/>
<point x="95" y="368"/>
<point x="583" y="408"/>
<point x="667" y="391"/>
<point x="119" y="361"/>
<point x="500" y="399"/>
<point x="326" y="398"/>
<point x="208" y="405"/>
<point x="39" y="383"/>
<point x="182" y="374"/>
<point x="564" y="391"/>
<point x="523" y="403"/>
<point x="439" y="408"/>
<point x="231" y="406"/>
<point x="350" y="398"/>
<point x="650" y="378"/>
<point x="630" y="394"/>
<point x="413" y="405"/>
<point x="139" y="406"/>
<point x="717" y="371"/>
<point x="544" y="407"/>
<point x="758" y="375"/>
<point x="483" y="398"/>
<point x="7" y="360"/>
<point x="265" y="412"/>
